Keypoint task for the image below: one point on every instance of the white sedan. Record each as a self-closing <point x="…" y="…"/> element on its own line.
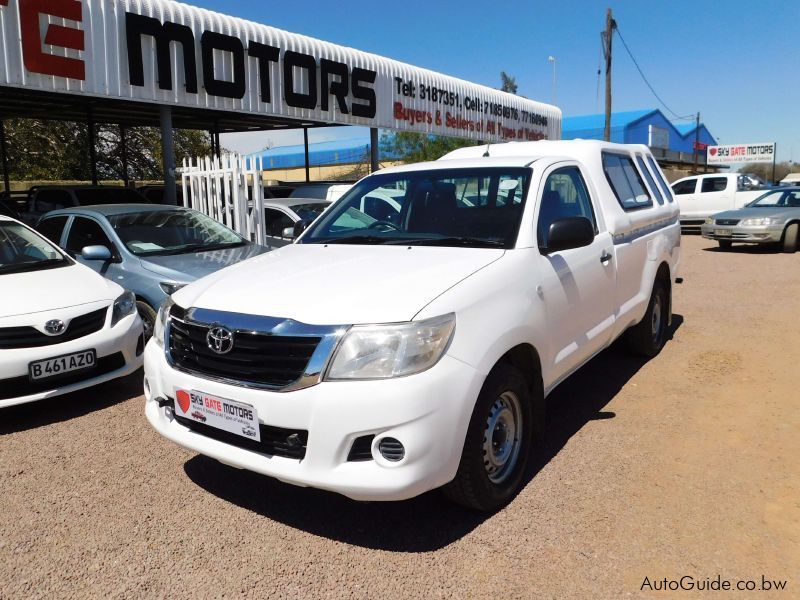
<point x="63" y="327"/>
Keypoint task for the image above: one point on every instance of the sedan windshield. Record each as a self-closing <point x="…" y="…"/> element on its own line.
<point x="478" y="208"/>
<point x="177" y="231"/>
<point x="23" y="250"/>
<point x="778" y="199"/>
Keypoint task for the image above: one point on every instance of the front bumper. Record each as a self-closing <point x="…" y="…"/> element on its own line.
<point x="764" y="234"/>
<point x="428" y="412"/>
<point x="116" y="346"/>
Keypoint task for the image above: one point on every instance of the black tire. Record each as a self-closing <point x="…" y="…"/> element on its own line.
<point x="480" y="483"/>
<point x="648" y="337"/>
<point x="725" y="244"/>
<point x="148" y="316"/>
<point x="790" y="238"/>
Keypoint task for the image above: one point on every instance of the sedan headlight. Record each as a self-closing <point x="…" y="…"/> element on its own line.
<point x="170" y="287"/>
<point x="759" y="222"/>
<point x="709" y="221"/>
<point x="161" y="321"/>
<point x="123" y="306"/>
<point x="391" y="350"/>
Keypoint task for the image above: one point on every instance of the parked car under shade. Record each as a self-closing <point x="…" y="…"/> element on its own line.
<point x="773" y="218"/>
<point x="281" y="215"/>
<point x="150" y="249"/>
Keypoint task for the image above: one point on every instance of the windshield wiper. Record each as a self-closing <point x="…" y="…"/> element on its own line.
<point x="457" y="241"/>
<point x="32" y="266"/>
<point x="360" y="239"/>
<point x="206" y="247"/>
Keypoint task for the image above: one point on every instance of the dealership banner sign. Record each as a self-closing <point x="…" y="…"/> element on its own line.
<point x="163" y="52"/>
<point x="740" y="153"/>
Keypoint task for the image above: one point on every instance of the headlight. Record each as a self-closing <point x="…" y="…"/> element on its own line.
<point x="384" y="351"/>
<point x="709" y="221"/>
<point x="170" y="287"/>
<point x="123" y="306"/>
<point x="161" y="321"/>
<point x="758" y="222"/>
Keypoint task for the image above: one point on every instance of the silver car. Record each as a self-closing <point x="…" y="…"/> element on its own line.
<point x="151" y="250"/>
<point x="773" y="218"/>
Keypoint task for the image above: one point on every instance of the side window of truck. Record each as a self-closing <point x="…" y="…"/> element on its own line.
<point x="565" y="195"/>
<point x="714" y="184"/>
<point x="625" y="181"/>
<point x="649" y="177"/>
<point x="657" y="172"/>
<point x="684" y="187"/>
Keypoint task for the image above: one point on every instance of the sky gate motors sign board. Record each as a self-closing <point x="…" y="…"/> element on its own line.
<point x="741" y="153"/>
<point x="169" y="53"/>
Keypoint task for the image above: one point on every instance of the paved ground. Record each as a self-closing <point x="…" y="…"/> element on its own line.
<point x="686" y="465"/>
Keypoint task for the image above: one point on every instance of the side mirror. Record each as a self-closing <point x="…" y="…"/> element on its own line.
<point x="569" y="232"/>
<point x="300" y="227"/>
<point x="96" y="253"/>
<point x="288" y="233"/>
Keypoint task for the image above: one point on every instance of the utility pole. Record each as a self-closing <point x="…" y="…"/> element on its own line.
<point x="607" y="37"/>
<point x="696" y="140"/>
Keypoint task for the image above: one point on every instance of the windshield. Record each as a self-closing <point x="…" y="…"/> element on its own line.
<point x="175" y="231"/>
<point x="23" y="250"/>
<point x="310" y="211"/>
<point x="479" y="208"/>
<point x="778" y="199"/>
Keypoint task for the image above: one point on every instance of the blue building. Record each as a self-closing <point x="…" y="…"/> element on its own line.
<point x="336" y="152"/>
<point x="649" y="127"/>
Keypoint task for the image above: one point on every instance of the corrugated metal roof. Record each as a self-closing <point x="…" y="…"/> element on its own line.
<point x="598" y="121"/>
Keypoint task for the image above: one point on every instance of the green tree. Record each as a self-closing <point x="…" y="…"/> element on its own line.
<point x="764" y="170"/>
<point x="409" y="147"/>
<point x="508" y="83"/>
<point x="59" y="150"/>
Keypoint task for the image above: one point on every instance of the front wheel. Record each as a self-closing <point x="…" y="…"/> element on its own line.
<point x="648" y="337"/>
<point x="148" y="316"/>
<point x="790" y="238"/>
<point x="497" y="444"/>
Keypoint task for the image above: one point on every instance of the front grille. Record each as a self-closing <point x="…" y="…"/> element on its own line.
<point x="361" y="449"/>
<point x="259" y="358"/>
<point x="275" y="441"/>
<point x="729" y="222"/>
<point x="23" y="386"/>
<point x="28" y="337"/>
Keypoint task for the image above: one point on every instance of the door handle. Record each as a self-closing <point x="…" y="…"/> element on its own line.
<point x="605" y="257"/>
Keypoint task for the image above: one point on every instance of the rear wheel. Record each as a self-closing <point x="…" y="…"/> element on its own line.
<point x="148" y="316"/>
<point x="725" y="244"/>
<point x="650" y="334"/>
<point x="497" y="444"/>
<point x="790" y="238"/>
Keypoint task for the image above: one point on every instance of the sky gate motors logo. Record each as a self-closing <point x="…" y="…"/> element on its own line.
<point x="350" y="87"/>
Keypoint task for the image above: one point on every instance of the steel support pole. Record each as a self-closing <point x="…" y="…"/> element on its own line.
<point x="92" y="143"/>
<point x="305" y="144"/>
<point x="123" y="140"/>
<point x="774" y="154"/>
<point x="168" y="158"/>
<point x="374" y="164"/>
<point x="696" y="141"/>
<point x="4" y="153"/>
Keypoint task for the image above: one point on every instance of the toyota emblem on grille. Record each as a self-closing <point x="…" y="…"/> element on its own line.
<point x="220" y="340"/>
<point x="54" y="327"/>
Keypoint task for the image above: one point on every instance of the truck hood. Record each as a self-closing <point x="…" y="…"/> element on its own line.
<point x="50" y="289"/>
<point x="194" y="265"/>
<point x="338" y="284"/>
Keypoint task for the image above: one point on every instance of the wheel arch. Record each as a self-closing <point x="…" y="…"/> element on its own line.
<point x="525" y="358"/>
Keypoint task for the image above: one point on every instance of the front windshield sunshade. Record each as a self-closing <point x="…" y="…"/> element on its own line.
<point x="177" y="231"/>
<point x="22" y="250"/>
<point x="479" y="208"/>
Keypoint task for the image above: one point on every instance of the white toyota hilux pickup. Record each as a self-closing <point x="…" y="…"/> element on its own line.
<point x="408" y="339"/>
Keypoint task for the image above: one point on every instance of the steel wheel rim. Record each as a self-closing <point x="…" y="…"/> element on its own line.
<point x="502" y="437"/>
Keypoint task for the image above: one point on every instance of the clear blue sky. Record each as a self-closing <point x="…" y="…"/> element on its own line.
<point x="736" y="62"/>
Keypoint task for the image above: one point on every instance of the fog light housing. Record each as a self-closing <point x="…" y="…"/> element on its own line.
<point x="391" y="449"/>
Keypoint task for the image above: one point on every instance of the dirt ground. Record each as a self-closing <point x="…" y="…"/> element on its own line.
<point x="686" y="465"/>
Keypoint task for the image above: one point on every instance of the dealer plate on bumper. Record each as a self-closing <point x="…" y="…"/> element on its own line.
<point x="725" y="232"/>
<point x="221" y="413"/>
<point x="59" y="365"/>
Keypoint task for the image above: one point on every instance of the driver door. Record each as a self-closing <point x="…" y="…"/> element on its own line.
<point x="578" y="284"/>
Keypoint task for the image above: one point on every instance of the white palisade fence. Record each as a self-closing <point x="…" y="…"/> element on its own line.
<point x="229" y="189"/>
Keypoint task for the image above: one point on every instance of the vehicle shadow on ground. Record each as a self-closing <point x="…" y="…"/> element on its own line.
<point x="428" y="522"/>
<point x="70" y="406"/>
<point x="747" y="249"/>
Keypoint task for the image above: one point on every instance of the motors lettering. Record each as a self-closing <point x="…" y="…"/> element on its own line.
<point x="350" y="87"/>
<point x="220" y="406"/>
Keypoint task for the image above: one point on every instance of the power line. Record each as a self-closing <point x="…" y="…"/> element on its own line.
<point x="638" y="68"/>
